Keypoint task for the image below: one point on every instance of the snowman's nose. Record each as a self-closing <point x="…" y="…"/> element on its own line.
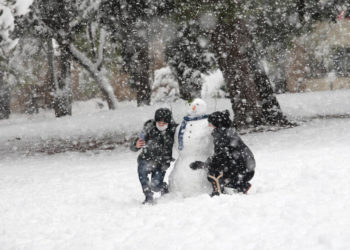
<point x="194" y="107"/>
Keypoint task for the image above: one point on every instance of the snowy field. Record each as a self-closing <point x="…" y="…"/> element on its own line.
<point x="299" y="200"/>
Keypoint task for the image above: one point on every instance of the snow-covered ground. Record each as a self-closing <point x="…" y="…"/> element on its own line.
<point x="299" y="200"/>
<point x="92" y="125"/>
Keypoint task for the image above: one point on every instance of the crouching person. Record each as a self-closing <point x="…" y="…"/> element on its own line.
<point x="232" y="164"/>
<point x="156" y="141"/>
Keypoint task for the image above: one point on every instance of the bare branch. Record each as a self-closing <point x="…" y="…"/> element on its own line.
<point x="91" y="39"/>
<point x="82" y="59"/>
<point x="101" y="46"/>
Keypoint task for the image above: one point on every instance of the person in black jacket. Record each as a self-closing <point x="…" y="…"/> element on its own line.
<point x="233" y="164"/>
<point x="156" y="141"/>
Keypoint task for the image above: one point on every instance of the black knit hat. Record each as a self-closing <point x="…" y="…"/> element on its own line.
<point x="162" y="115"/>
<point x="220" y="119"/>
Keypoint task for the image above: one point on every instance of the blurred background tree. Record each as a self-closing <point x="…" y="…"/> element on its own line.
<point x="249" y="41"/>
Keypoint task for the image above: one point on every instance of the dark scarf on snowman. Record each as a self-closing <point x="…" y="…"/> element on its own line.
<point x="183" y="127"/>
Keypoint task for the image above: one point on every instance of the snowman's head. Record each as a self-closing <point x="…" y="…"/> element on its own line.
<point x="197" y="107"/>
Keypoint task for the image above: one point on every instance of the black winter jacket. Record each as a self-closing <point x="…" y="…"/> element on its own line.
<point x="159" y="144"/>
<point x="231" y="155"/>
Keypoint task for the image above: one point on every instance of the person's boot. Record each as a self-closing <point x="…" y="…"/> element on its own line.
<point x="244" y="187"/>
<point x="149" y="198"/>
<point x="164" y="189"/>
<point x="214" y="193"/>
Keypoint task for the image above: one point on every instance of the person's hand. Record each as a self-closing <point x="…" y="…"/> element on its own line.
<point x="140" y="143"/>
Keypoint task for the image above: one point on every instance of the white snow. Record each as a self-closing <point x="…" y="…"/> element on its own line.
<point x="6" y="21"/>
<point x="299" y="199"/>
<point x="8" y="11"/>
<point x="22" y="7"/>
<point x="165" y="85"/>
<point x="212" y="84"/>
<point x="313" y="104"/>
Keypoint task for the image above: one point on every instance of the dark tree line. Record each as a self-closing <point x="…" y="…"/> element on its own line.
<point x="130" y="24"/>
<point x="200" y="35"/>
<point x="239" y="34"/>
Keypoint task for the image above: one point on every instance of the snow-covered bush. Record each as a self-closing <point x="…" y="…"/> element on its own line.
<point x="8" y="11"/>
<point x="213" y="85"/>
<point x="6" y="21"/>
<point x="165" y="86"/>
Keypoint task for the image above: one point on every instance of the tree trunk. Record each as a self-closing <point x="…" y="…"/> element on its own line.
<point x="106" y="88"/>
<point x="53" y="83"/>
<point x="252" y="98"/>
<point x="63" y="94"/>
<point x="56" y="17"/>
<point x="4" y="98"/>
<point x="142" y="76"/>
<point x="271" y="113"/>
<point x="301" y="10"/>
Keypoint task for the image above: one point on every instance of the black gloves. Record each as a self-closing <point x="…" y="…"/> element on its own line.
<point x="197" y="165"/>
<point x="165" y="167"/>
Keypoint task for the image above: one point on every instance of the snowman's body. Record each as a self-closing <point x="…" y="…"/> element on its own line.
<point x="197" y="145"/>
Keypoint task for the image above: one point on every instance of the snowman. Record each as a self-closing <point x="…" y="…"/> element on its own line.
<point x="193" y="142"/>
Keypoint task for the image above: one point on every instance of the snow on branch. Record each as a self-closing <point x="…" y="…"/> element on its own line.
<point x="83" y="59"/>
<point x="7" y="13"/>
<point x="101" y="46"/>
<point x="87" y="7"/>
<point x="21" y="7"/>
<point x="98" y="74"/>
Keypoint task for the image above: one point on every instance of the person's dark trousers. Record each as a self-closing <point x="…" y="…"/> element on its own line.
<point x="241" y="181"/>
<point x="157" y="176"/>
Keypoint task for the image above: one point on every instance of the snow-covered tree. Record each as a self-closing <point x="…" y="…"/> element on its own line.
<point x="165" y="86"/>
<point x="227" y="36"/>
<point x="275" y="25"/>
<point x="94" y="63"/>
<point x="8" y="11"/>
<point x="252" y="98"/>
<point x="243" y="35"/>
<point x="131" y="25"/>
<point x="188" y="56"/>
<point x="65" y="22"/>
<point x="27" y="67"/>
